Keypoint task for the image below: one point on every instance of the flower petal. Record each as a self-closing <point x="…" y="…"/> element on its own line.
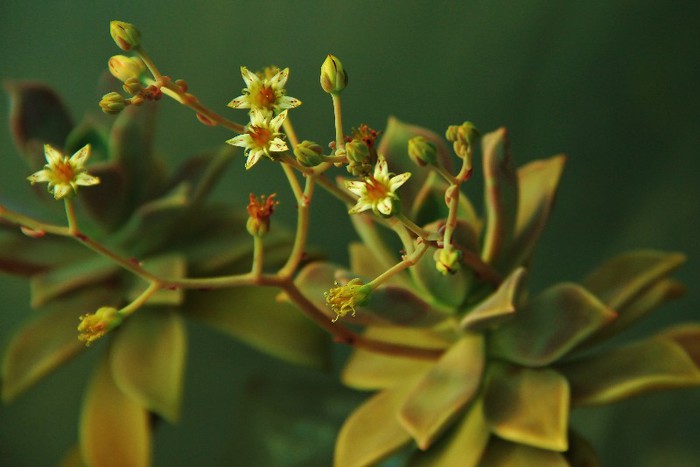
<point x="385" y="206"/>
<point x="39" y="177"/>
<point x="80" y="157"/>
<point x="360" y="207"/>
<point x="61" y="190"/>
<point x="240" y="102"/>
<point x="249" y="77"/>
<point x="53" y="156"/>
<point x="287" y="102"/>
<point x="278" y="145"/>
<point x="280" y="79"/>
<point x="253" y="157"/>
<point x="356" y="187"/>
<point x="85" y="179"/>
<point x="277" y="121"/>
<point x="398" y="180"/>
<point x="243" y="141"/>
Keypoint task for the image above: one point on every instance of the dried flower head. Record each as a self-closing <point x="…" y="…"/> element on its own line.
<point x="378" y="191"/>
<point x="260" y="210"/>
<point x="265" y="91"/>
<point x="64" y="174"/>
<point x="262" y="137"/>
<point x="95" y="325"/>
<point x="344" y="299"/>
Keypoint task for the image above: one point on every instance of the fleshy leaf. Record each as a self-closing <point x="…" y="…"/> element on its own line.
<point x="537" y="184"/>
<point x="444" y="390"/>
<point x="23" y="255"/>
<point x="687" y="336"/>
<point x="72" y="458"/>
<point x="644" y="366"/>
<point x="501" y="453"/>
<point x="463" y="446"/>
<point x="169" y="267"/>
<point x="72" y="276"/>
<point x="366" y="228"/>
<point x="581" y="453"/>
<point x="498" y="307"/>
<point x="501" y="196"/>
<point x="253" y="315"/>
<point x="47" y="341"/>
<point x="528" y="406"/>
<point x="550" y="325"/>
<point x="37" y="117"/>
<point x="203" y="171"/>
<point x="364" y="263"/>
<point x="394" y="147"/>
<point x="372" y="370"/>
<point x="148" y="360"/>
<point x="88" y="132"/>
<point x="621" y="279"/>
<point x="106" y="201"/>
<point x="372" y="432"/>
<point x="429" y="205"/>
<point x="114" y="428"/>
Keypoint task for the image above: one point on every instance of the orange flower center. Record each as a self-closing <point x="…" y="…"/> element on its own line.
<point x="261" y="135"/>
<point x="64" y="172"/>
<point x="376" y="190"/>
<point x="266" y="97"/>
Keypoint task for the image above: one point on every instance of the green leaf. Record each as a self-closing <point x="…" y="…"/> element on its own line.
<point x="622" y="279"/>
<point x="581" y="453"/>
<point x="537" y="184"/>
<point x="528" y="406"/>
<point x="168" y="267"/>
<point x="444" y="390"/>
<point x="687" y="336"/>
<point x="498" y="307"/>
<point x="394" y="147"/>
<point x="114" y="428"/>
<point x="106" y="201"/>
<point x="22" y="255"/>
<point x="88" y="132"/>
<point x="372" y="432"/>
<point x="501" y="196"/>
<point x="47" y="341"/>
<point x="463" y="446"/>
<point x="147" y="359"/>
<point x="638" y="368"/>
<point x="253" y="315"/>
<point x="366" y="228"/>
<point x="37" y="117"/>
<point x="550" y="325"/>
<point x="363" y="262"/>
<point x="429" y="205"/>
<point x="501" y="453"/>
<point x="73" y="458"/>
<point x="202" y="172"/>
<point x="372" y="370"/>
<point x="78" y="274"/>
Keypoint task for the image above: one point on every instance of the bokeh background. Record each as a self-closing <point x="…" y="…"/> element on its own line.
<point x="611" y="83"/>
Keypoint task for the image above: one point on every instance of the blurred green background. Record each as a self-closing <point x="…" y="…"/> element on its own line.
<point x="611" y="83"/>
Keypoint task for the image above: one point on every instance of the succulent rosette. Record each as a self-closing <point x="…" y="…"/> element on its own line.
<point x="161" y="220"/>
<point x="504" y="366"/>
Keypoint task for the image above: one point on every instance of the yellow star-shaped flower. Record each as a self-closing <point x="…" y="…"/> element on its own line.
<point x="265" y="91"/>
<point x="64" y="174"/>
<point x="262" y="137"/>
<point x="377" y="192"/>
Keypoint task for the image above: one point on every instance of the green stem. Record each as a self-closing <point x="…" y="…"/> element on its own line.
<point x="141" y="300"/>
<point x="33" y="224"/>
<point x="70" y="215"/>
<point x="150" y="64"/>
<point x="337" y="112"/>
<point x="258" y="256"/>
<point x="289" y="130"/>
<point x="413" y="227"/>
<point x="407" y="262"/>
<point x="301" y="237"/>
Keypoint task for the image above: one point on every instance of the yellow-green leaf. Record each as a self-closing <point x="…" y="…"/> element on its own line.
<point x="444" y="390"/>
<point x="500" y="453"/>
<point x="148" y="360"/>
<point x="581" y="453"/>
<point x="373" y="370"/>
<point x="372" y="432"/>
<point x="528" y="406"/>
<point x="168" y="267"/>
<point x="641" y="367"/>
<point x="498" y="307"/>
<point x="463" y="446"/>
<point x="114" y="428"/>
<point x="550" y="325"/>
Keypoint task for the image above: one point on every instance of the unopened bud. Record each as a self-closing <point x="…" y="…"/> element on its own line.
<point x="124" y="68"/>
<point x="113" y="103"/>
<point x="132" y="86"/>
<point x="125" y="35"/>
<point x="333" y="77"/>
<point x="96" y="325"/>
<point x="421" y="151"/>
<point x="468" y="132"/>
<point x="260" y="210"/>
<point x="447" y="261"/>
<point x="357" y="151"/>
<point x="308" y="153"/>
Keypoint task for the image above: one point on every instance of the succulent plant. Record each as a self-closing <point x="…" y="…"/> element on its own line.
<point x="162" y="222"/>
<point x="502" y="367"/>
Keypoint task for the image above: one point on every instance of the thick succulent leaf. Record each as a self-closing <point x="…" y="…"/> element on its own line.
<point x="372" y="370"/>
<point x="641" y="367"/>
<point x="147" y="359"/>
<point x="202" y="172"/>
<point x="114" y="428"/>
<point x="106" y="201"/>
<point x="37" y="117"/>
<point x="366" y="228"/>
<point x="65" y="279"/>
<point x="620" y="280"/>
<point x="131" y="144"/>
<point x="501" y="196"/>
<point x="372" y="432"/>
<point x="169" y="267"/>
<point x="528" y="406"/>
<point x="253" y="315"/>
<point x="500" y="453"/>
<point x="394" y="147"/>
<point x="498" y="307"/>
<point x="387" y="306"/>
<point x="89" y="132"/>
<point x="444" y="390"/>
<point x="72" y="458"/>
<point x="47" y="341"/>
<point x="450" y="290"/>
<point x="463" y="446"/>
<point x="23" y="255"/>
<point x="429" y="205"/>
<point x="688" y="337"/>
<point x="550" y="325"/>
<point x="364" y="263"/>
<point x="537" y="184"/>
<point x="581" y="453"/>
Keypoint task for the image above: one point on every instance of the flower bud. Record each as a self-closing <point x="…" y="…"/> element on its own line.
<point x="357" y="151"/>
<point x="421" y="151"/>
<point x="308" y="153"/>
<point x="468" y="132"/>
<point x="447" y="260"/>
<point x="260" y="210"/>
<point x="133" y="86"/>
<point x="93" y="326"/>
<point x="333" y="77"/>
<point x="125" y="35"/>
<point x="113" y="103"/>
<point x="124" y="68"/>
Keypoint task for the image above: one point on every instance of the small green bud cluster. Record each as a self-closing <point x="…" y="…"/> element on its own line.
<point x="359" y="158"/>
<point x="308" y="153"/>
<point x="421" y="151"/>
<point x="462" y="137"/>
